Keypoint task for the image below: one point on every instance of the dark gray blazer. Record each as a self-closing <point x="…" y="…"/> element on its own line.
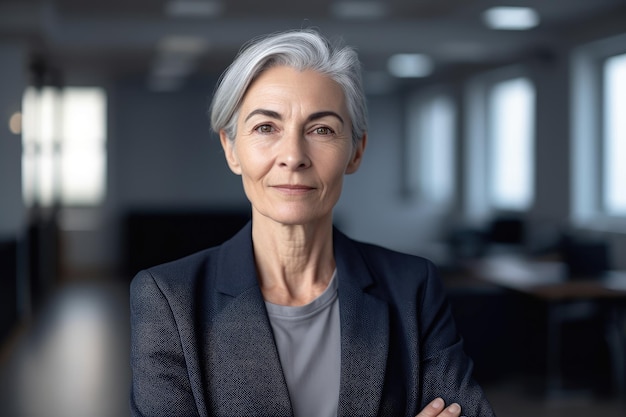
<point x="202" y="344"/>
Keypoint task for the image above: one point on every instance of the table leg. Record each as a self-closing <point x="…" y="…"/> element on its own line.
<point x="616" y="335"/>
<point x="554" y="380"/>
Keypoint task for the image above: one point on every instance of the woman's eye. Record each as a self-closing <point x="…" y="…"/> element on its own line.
<point x="264" y="129"/>
<point x="324" y="130"/>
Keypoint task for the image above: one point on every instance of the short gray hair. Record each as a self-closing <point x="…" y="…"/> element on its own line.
<point x="303" y="49"/>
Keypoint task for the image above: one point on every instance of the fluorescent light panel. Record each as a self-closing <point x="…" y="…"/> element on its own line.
<point x="410" y="65"/>
<point x="189" y="45"/>
<point x="193" y="8"/>
<point x="355" y="9"/>
<point x="511" y="18"/>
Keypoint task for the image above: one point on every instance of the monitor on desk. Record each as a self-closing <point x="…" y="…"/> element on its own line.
<point x="508" y="230"/>
<point x="586" y="258"/>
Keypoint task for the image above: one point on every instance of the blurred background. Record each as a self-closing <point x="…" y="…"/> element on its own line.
<point x="497" y="148"/>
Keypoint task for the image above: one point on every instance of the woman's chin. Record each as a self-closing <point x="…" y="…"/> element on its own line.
<point x="294" y="218"/>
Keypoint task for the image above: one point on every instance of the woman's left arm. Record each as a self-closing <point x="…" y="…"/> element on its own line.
<point x="445" y="368"/>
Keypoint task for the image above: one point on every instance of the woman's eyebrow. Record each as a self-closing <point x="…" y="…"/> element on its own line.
<point x="275" y="115"/>
<point x="322" y="114"/>
<point x="264" y="112"/>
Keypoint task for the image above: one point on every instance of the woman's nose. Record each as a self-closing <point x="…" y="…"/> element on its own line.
<point x="293" y="151"/>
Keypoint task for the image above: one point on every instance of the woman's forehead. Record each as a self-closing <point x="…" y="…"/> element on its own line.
<point x="282" y="85"/>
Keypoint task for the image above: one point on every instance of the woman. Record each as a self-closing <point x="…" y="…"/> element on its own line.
<point x="290" y="316"/>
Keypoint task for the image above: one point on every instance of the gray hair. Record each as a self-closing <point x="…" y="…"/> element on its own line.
<point x="303" y="49"/>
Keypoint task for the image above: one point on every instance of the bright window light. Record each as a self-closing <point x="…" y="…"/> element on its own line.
<point x="410" y="65"/>
<point x="511" y="18"/>
<point x="64" y="137"/>
<point x="431" y="148"/>
<point x="511" y="144"/>
<point x="83" y="162"/>
<point x="615" y="135"/>
<point x="39" y="135"/>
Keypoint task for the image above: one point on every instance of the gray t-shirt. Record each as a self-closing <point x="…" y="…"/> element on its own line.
<point x="309" y="345"/>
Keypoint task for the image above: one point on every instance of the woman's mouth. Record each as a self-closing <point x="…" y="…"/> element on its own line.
<point x="293" y="189"/>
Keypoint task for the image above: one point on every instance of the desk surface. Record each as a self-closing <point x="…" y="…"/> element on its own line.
<point x="547" y="279"/>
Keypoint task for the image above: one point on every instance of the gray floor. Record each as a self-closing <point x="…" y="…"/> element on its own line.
<point x="72" y="361"/>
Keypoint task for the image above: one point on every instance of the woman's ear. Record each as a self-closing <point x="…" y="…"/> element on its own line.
<point x="230" y="153"/>
<point x="357" y="155"/>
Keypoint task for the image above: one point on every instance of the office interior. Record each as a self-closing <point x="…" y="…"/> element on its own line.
<point x="520" y="203"/>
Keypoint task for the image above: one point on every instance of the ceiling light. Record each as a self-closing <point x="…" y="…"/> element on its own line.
<point x="355" y="9"/>
<point x="410" y="65"/>
<point x="511" y="18"/>
<point x="193" y="8"/>
<point x="191" y="45"/>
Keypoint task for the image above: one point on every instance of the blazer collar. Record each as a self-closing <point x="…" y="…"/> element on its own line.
<point x="364" y="318"/>
<point x="364" y="332"/>
<point x="242" y="367"/>
<point x="236" y="270"/>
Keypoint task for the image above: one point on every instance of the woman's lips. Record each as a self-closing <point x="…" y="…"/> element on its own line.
<point x="293" y="188"/>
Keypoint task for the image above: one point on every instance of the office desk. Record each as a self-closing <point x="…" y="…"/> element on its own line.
<point x="564" y="297"/>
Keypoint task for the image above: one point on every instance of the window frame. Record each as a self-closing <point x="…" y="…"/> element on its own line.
<point x="478" y="200"/>
<point x="587" y="115"/>
<point x="526" y="201"/>
<point x="605" y="138"/>
<point x="418" y="103"/>
<point x="50" y="143"/>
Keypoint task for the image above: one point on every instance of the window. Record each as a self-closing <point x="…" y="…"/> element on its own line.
<point x="431" y="147"/>
<point x="599" y="134"/>
<point x="614" y="128"/>
<point x="500" y="144"/>
<point x="511" y="144"/>
<point x="64" y="138"/>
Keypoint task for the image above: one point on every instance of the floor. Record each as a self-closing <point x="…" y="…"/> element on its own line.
<point x="71" y="360"/>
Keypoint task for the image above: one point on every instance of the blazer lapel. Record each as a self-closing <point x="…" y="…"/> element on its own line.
<point x="364" y="334"/>
<point x="243" y="371"/>
<point x="242" y="367"/>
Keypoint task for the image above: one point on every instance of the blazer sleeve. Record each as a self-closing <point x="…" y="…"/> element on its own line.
<point x="160" y="380"/>
<point x="446" y="369"/>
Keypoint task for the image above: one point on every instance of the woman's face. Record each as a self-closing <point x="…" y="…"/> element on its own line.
<point x="293" y="145"/>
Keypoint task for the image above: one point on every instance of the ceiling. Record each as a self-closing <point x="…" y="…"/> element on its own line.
<point x="114" y="38"/>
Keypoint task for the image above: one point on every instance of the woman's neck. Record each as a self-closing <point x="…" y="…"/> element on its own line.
<point x="294" y="262"/>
